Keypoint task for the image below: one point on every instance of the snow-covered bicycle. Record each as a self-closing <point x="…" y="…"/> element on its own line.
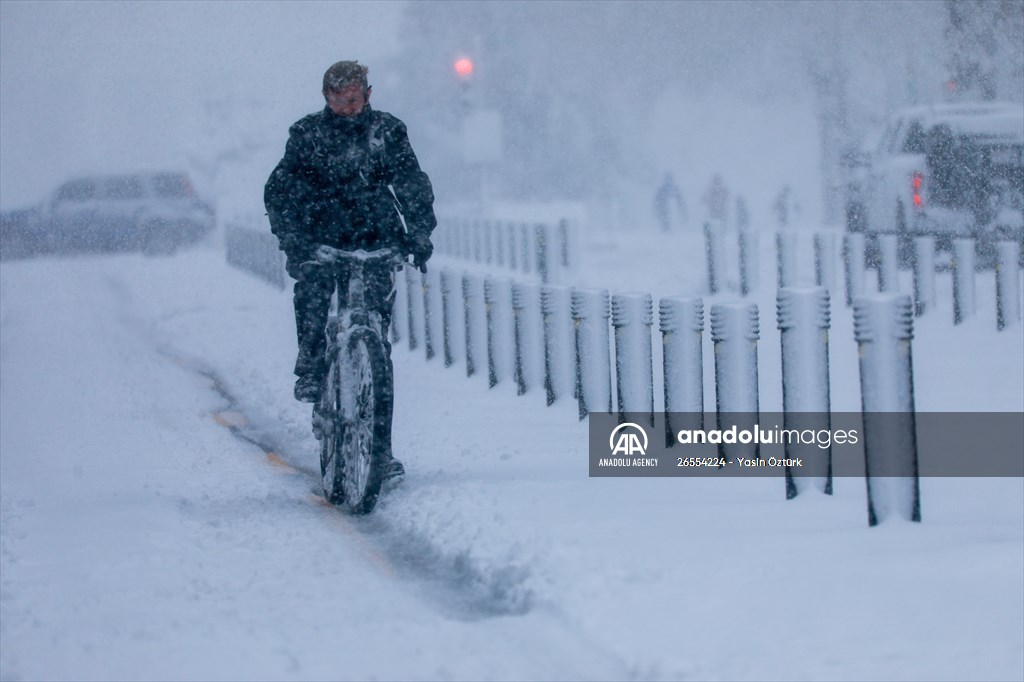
<point x="350" y="419"/>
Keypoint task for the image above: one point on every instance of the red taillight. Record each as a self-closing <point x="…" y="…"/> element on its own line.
<point x="917" y="183"/>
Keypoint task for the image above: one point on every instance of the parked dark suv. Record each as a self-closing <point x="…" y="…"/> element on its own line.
<point x="154" y="213"/>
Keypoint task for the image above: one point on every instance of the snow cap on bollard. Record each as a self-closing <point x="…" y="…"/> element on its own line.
<point x="633" y="308"/>
<point x="734" y="320"/>
<point x="677" y="313"/>
<point x="883" y="316"/>
<point x="797" y="306"/>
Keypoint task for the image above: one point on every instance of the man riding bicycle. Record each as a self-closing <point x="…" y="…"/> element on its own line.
<point x="348" y="179"/>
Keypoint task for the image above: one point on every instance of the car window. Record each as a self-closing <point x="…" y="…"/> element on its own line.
<point x="124" y="188"/>
<point x="914" y="139"/>
<point x="172" y="185"/>
<point x="77" y="190"/>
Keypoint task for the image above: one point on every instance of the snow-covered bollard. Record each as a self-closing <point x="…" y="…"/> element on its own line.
<point x="681" y="321"/>
<point x="473" y="316"/>
<point x="785" y="259"/>
<point x="500" y="243"/>
<point x="414" y="307"/>
<point x="566" y="250"/>
<point x="853" y="265"/>
<point x="498" y="304"/>
<point x="924" y="274"/>
<point x="448" y="331"/>
<point x="590" y="312"/>
<point x="512" y="259"/>
<point x="735" y="331"/>
<point x="1007" y="291"/>
<point x="748" y="254"/>
<point x="888" y="263"/>
<point x="632" y="318"/>
<point x="476" y="228"/>
<point x="526" y="334"/>
<point x="467" y="239"/>
<point x="542" y="241"/>
<point x="963" y="280"/>
<point x="803" y="318"/>
<point x="883" y="327"/>
<point x="488" y="237"/>
<point x="430" y="285"/>
<point x="824" y="260"/>
<point x="714" y="250"/>
<point x="558" y="342"/>
<point x="524" y="248"/>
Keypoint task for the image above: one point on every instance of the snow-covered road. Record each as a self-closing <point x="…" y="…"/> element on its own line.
<point x="141" y="537"/>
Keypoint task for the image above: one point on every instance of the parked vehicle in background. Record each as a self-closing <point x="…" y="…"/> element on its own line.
<point x="153" y="212"/>
<point x="952" y="170"/>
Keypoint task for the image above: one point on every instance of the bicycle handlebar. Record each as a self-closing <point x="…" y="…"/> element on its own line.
<point x="328" y="255"/>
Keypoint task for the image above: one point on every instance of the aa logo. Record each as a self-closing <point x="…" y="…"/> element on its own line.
<point x="628" y="439"/>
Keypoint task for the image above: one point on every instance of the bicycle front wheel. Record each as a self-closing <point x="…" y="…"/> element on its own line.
<point x="352" y="458"/>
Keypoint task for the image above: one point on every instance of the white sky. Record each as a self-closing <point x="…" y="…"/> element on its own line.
<point x="78" y="78"/>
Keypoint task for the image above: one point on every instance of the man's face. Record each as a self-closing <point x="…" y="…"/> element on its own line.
<point x="349" y="101"/>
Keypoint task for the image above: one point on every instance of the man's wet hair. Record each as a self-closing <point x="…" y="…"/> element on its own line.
<point x="343" y="74"/>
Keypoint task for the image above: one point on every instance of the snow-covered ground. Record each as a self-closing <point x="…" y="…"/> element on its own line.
<point x="161" y="518"/>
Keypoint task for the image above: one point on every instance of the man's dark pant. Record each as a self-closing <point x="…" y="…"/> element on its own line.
<point x="312" y="297"/>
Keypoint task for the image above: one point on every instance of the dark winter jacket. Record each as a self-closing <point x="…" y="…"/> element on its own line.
<point x="331" y="187"/>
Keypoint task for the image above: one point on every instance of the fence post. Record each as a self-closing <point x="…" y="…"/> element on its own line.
<point x="883" y="328"/>
<point x="488" y="229"/>
<point x="924" y="274"/>
<point x="888" y="263"/>
<point x="543" y="252"/>
<point x="429" y="312"/>
<point x="558" y="342"/>
<point x="500" y="242"/>
<point x="714" y="248"/>
<point x="589" y="308"/>
<point x="682" y="327"/>
<point x="527" y="252"/>
<point x="748" y="255"/>
<point x="785" y="258"/>
<point x="513" y="249"/>
<point x="963" y="280"/>
<point x="414" y="307"/>
<point x="476" y="227"/>
<point x="824" y="260"/>
<point x="526" y="333"/>
<point x="1007" y="278"/>
<point x="853" y="265"/>
<point x="497" y="299"/>
<point x="632" y="318"/>
<point x="448" y="317"/>
<point x="803" y="319"/>
<point x="735" y="331"/>
<point x="472" y="314"/>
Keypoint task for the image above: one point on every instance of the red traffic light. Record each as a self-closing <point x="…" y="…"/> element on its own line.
<point x="464" y="67"/>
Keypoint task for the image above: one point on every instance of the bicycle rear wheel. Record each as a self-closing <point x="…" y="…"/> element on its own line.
<point x="351" y="456"/>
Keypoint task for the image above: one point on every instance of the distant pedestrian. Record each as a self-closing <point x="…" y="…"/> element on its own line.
<point x="717" y="200"/>
<point x="669" y="206"/>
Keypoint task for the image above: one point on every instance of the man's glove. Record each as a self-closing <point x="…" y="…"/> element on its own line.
<point x="420" y="248"/>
